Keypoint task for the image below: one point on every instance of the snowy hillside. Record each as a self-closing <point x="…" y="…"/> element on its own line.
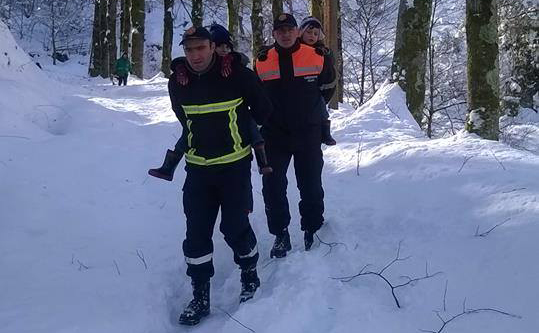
<point x="90" y="243"/>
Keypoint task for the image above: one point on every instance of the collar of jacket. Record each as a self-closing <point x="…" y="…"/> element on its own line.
<point x="282" y="51"/>
<point x="207" y="70"/>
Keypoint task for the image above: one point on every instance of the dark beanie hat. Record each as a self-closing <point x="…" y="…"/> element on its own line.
<point x="220" y="35"/>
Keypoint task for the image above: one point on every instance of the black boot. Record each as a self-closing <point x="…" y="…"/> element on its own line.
<point x="166" y="171"/>
<point x="249" y="284"/>
<point x="199" y="307"/>
<point x="327" y="139"/>
<point x="262" y="159"/>
<point x="308" y="237"/>
<point x="281" y="245"/>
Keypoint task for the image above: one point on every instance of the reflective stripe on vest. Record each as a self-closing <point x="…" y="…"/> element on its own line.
<point x="214" y="107"/>
<point x="230" y="107"/>
<point x="190" y="157"/>
<point x="305" y="61"/>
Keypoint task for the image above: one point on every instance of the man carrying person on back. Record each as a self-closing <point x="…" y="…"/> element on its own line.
<point x="296" y="78"/>
<point x="214" y="110"/>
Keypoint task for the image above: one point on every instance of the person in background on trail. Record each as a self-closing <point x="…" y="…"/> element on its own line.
<point x="123" y="68"/>
<point x="215" y="110"/>
<point x="293" y="75"/>
<point x="224" y="48"/>
<point x="312" y="34"/>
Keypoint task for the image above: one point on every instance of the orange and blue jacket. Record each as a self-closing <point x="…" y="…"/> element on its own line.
<point x="299" y="82"/>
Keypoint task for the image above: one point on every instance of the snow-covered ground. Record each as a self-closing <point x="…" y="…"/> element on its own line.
<point x="90" y="243"/>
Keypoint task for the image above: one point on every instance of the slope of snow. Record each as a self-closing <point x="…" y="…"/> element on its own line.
<point x="90" y="243"/>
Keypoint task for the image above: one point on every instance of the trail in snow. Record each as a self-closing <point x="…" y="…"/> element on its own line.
<point x="78" y="210"/>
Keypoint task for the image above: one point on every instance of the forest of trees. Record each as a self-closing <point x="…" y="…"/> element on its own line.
<point x="462" y="64"/>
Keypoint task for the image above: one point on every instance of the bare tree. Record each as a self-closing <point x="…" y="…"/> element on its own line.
<point x="332" y="29"/>
<point x="111" y="34"/>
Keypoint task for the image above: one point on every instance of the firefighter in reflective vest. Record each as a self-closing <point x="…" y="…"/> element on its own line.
<point x="298" y="81"/>
<point x="214" y="111"/>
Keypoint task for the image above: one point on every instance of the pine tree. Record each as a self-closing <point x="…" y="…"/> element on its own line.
<point x="257" y="26"/>
<point x="167" y="38"/>
<point x="138" y="16"/>
<point x="410" y="55"/>
<point x="483" y="68"/>
<point x="197" y="13"/>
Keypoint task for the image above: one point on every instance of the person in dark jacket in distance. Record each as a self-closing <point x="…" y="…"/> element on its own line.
<point x="293" y="75"/>
<point x="123" y="68"/>
<point x="215" y="111"/>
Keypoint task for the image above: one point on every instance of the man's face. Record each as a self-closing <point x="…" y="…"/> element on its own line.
<point x="286" y="36"/>
<point x="223" y="49"/>
<point x="199" y="53"/>
<point x="311" y="36"/>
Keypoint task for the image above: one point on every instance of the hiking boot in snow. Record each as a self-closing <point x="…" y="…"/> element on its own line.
<point x="262" y="159"/>
<point x="308" y="237"/>
<point x="249" y="284"/>
<point x="166" y="171"/>
<point x="281" y="245"/>
<point x="199" y="307"/>
<point x="327" y="139"/>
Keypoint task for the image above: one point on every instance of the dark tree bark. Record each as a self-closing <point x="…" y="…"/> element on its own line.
<point x="95" y="52"/>
<point x="409" y="59"/>
<point x="233" y="9"/>
<point x="483" y="68"/>
<point x="257" y="26"/>
<point x="111" y="34"/>
<point x="276" y="8"/>
<point x="167" y="38"/>
<point x="197" y="13"/>
<point x="332" y="29"/>
<point x="138" y="16"/>
<point x="125" y="26"/>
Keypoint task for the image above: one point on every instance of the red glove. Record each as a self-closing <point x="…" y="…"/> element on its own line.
<point x="226" y="65"/>
<point x="181" y="74"/>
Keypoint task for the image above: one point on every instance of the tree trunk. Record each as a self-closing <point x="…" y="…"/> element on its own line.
<point x="410" y="56"/>
<point x="317" y="9"/>
<point x="233" y="20"/>
<point x="331" y="28"/>
<point x="111" y="35"/>
<point x="103" y="18"/>
<point x="276" y="8"/>
<point x="167" y="38"/>
<point x="339" y="57"/>
<point x="257" y="26"/>
<point x="138" y="16"/>
<point x="95" y="53"/>
<point x="53" y="32"/>
<point x="483" y="68"/>
<point x="197" y="13"/>
<point x="125" y="23"/>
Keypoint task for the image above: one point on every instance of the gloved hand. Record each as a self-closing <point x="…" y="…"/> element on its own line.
<point x="181" y="74"/>
<point x="322" y="50"/>
<point x="262" y="54"/>
<point x="226" y="65"/>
